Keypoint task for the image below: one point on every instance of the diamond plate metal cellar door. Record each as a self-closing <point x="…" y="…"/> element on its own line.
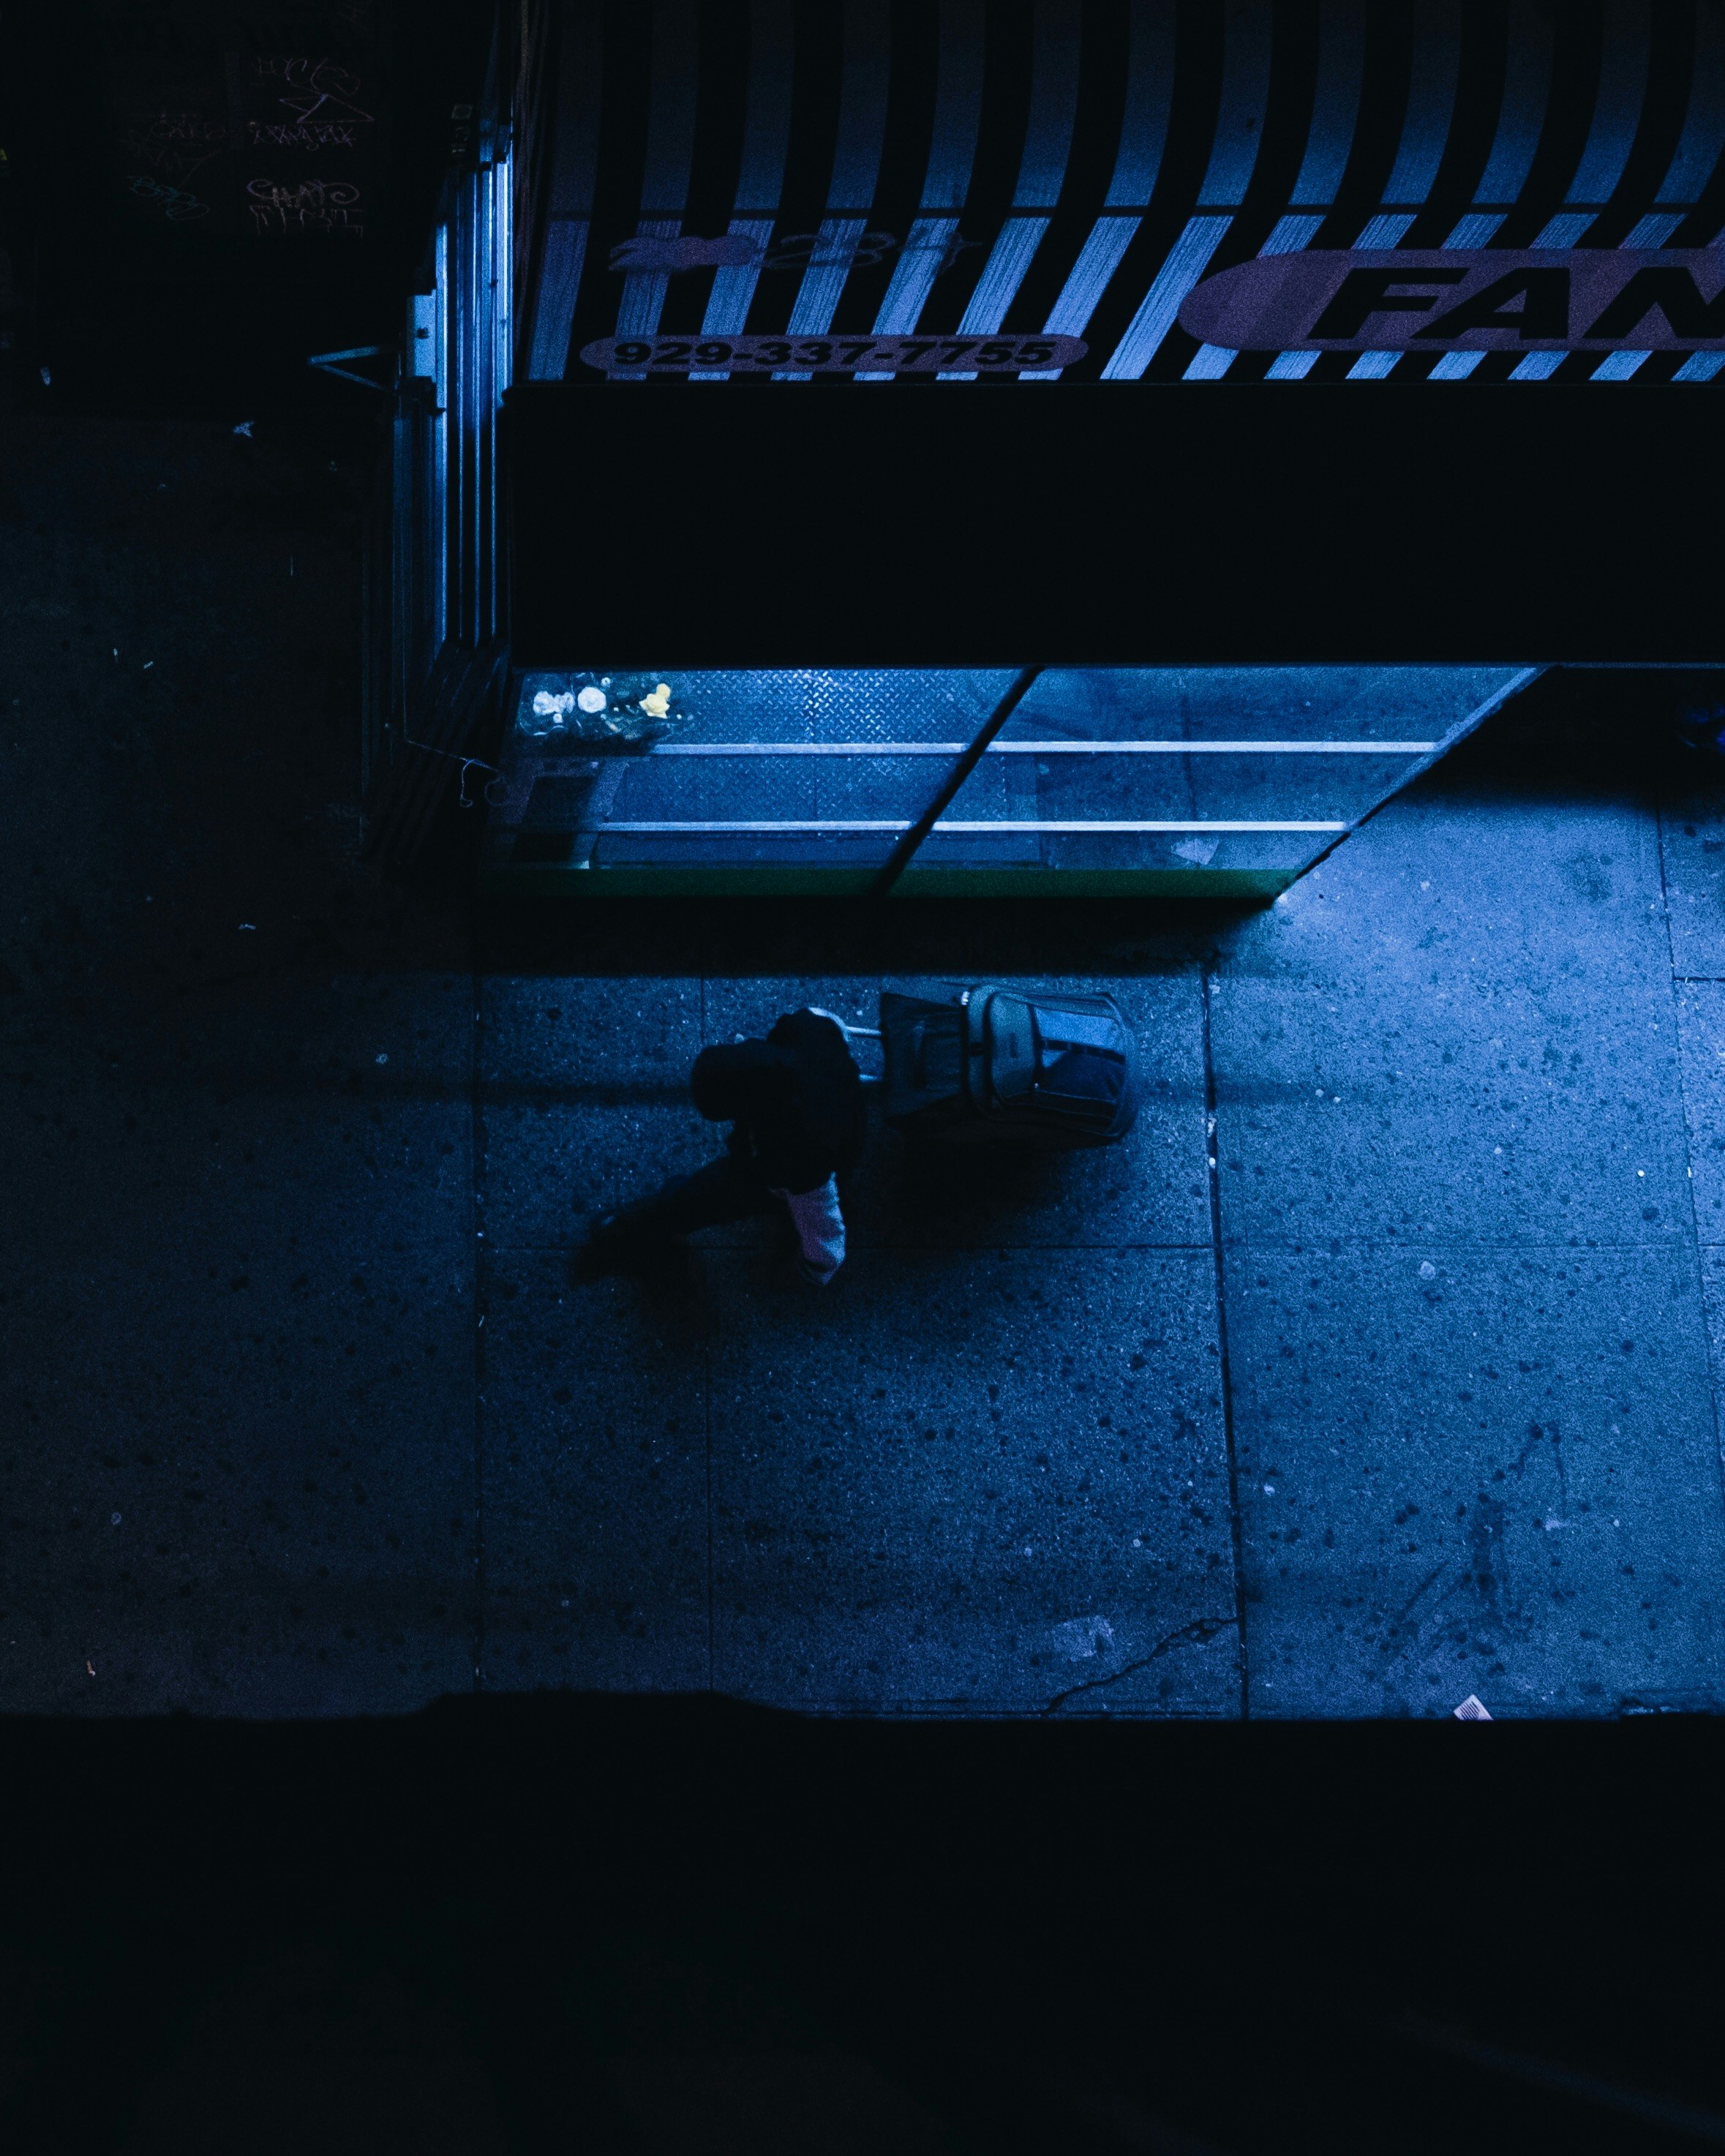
<point x="1225" y="780"/>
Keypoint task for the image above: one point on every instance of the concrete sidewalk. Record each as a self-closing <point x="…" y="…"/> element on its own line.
<point x="1392" y="1387"/>
<point x="1420" y="1407"/>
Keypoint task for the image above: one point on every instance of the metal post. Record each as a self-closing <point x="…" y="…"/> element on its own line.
<point x="899" y="860"/>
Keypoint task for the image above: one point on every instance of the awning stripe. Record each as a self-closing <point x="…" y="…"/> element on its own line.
<point x="805" y="169"/>
<point x="574" y="159"/>
<point x="1617" y="109"/>
<point x="1245" y="102"/>
<point x="1431" y="101"/>
<point x="1700" y="146"/>
<point x="670" y="151"/>
<point x="857" y="168"/>
<point x="1329" y="143"/>
<point x="951" y="156"/>
<point x="1054" y="105"/>
<point x="957" y="107"/>
<point x="1042" y="170"/>
<point x="1521" y="117"/>
<point x="766" y="130"/>
<point x="1335" y="104"/>
<point x="1185" y="264"/>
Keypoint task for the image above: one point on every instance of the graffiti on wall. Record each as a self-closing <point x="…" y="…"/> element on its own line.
<point x="325" y="207"/>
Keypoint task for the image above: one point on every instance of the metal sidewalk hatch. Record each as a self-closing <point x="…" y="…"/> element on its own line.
<point x="1227" y="780"/>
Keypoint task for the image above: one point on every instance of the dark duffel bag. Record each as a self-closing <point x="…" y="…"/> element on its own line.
<point x="1011" y="1066"/>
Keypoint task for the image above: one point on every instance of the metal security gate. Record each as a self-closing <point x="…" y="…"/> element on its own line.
<point x="447" y="600"/>
<point x="1139" y="214"/>
<point x="459" y="364"/>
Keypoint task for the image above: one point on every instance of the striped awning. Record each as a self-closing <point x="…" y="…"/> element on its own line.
<point x="794" y="172"/>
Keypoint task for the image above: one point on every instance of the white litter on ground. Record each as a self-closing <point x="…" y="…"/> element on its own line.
<point x="1080" y="1637"/>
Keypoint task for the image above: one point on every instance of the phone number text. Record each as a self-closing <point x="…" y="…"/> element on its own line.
<point x="886" y="354"/>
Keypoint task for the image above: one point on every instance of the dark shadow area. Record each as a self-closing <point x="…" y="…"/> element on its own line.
<point x="670" y="1925"/>
<point x="1221" y="473"/>
<point x="154" y="280"/>
<point x="1592" y="733"/>
<point x="968" y="938"/>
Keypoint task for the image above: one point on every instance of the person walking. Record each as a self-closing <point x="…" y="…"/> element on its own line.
<point x="794" y="1103"/>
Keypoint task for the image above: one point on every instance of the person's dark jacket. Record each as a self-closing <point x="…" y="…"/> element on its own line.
<point x="794" y="1100"/>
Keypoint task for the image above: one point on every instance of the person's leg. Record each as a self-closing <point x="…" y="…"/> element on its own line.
<point x="723" y="1190"/>
<point x="818" y="1227"/>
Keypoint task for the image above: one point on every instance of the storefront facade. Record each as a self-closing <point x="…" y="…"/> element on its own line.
<point x="1164" y="212"/>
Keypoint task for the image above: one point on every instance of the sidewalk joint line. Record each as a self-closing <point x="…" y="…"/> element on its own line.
<point x="1212" y="1147"/>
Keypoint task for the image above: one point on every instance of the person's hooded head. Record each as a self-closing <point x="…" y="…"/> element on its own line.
<point x="798" y="1095"/>
<point x="741" y="1080"/>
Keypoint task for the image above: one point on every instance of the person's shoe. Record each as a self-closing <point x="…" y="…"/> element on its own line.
<point x="615" y="1245"/>
<point x="608" y="1249"/>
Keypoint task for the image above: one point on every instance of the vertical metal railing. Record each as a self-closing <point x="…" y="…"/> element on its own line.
<point x="443" y="543"/>
<point x="502" y="320"/>
<point x="434" y="509"/>
<point x="477" y="249"/>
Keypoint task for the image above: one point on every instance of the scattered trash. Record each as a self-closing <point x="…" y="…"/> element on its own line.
<point x="547" y="706"/>
<point x="46" y="378"/>
<point x="1470" y="1709"/>
<point x="1198" y="851"/>
<point x="90" y="1667"/>
<point x="1427" y="1270"/>
<point x="113" y="1519"/>
<point x="636" y="708"/>
<point x="564" y="1603"/>
<point x="147" y="664"/>
<point x="245" y="427"/>
<point x="382" y="1059"/>
<point x="1270" y="1489"/>
<point x="252" y="925"/>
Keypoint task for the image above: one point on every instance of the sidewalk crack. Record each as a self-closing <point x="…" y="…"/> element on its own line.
<point x="1197" y="1633"/>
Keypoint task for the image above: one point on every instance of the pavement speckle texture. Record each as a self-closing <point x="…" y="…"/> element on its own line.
<point x="303" y="1413"/>
<point x="1506" y="1484"/>
<point x="923" y="1479"/>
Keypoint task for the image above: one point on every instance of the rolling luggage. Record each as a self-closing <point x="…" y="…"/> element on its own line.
<point x="1006" y="1066"/>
